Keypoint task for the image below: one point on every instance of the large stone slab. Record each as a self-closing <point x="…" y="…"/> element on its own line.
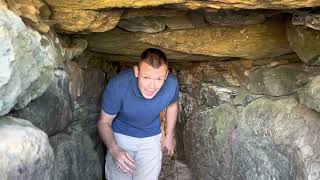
<point x="252" y="4"/>
<point x="27" y="61"/>
<point x="276" y="139"/>
<point x="120" y="45"/>
<point x="207" y="137"/>
<point x="75" y="157"/>
<point x="267" y="139"/>
<point x="142" y="24"/>
<point x="252" y="41"/>
<point x="103" y="4"/>
<point x="25" y="152"/>
<point x="84" y="20"/>
<point x="152" y="11"/>
<point x="86" y="97"/>
<point x="51" y="112"/>
<point x="192" y="4"/>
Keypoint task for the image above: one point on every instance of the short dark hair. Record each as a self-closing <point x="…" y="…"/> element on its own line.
<point x="153" y="57"/>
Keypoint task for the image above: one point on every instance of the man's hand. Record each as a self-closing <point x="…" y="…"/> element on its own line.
<point x="171" y="119"/>
<point x="168" y="144"/>
<point x="123" y="160"/>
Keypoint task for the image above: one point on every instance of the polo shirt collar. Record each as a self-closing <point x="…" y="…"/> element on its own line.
<point x="135" y="88"/>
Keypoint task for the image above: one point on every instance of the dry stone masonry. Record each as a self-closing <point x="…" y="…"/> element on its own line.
<point x="249" y="79"/>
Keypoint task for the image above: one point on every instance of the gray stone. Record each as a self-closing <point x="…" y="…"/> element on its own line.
<point x="267" y="139"/>
<point x="93" y="86"/>
<point x="25" y="152"/>
<point x="310" y="95"/>
<point x="52" y="111"/>
<point x="88" y="120"/>
<point x="234" y="17"/>
<point x="27" y="61"/>
<point x="85" y="92"/>
<point x="142" y="24"/>
<point x="197" y="18"/>
<point x="278" y="81"/>
<point x="276" y="139"/>
<point x="207" y="136"/>
<point x="212" y="96"/>
<point x="311" y="20"/>
<point x="75" y="157"/>
<point x="305" y="42"/>
<point x="72" y="48"/>
<point x="244" y="97"/>
<point x="177" y="22"/>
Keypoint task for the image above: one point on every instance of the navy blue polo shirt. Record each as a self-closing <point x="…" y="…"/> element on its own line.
<point x="135" y="115"/>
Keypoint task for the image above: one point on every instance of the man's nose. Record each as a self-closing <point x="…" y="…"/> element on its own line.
<point x="152" y="84"/>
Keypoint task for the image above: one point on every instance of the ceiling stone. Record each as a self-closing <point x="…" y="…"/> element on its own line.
<point x="252" y="41"/>
<point x="82" y="21"/>
<point x="103" y="4"/>
<point x="120" y="45"/>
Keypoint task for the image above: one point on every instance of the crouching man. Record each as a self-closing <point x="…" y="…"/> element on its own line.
<point x="129" y="124"/>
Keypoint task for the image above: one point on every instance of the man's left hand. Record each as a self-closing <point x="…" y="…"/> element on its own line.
<point x="168" y="144"/>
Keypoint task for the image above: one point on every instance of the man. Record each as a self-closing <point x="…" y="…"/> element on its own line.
<point x="129" y="124"/>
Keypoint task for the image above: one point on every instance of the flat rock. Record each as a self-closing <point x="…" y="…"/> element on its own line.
<point x="252" y="41"/>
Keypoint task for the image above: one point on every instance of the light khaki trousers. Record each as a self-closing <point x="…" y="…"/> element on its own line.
<point x="146" y="153"/>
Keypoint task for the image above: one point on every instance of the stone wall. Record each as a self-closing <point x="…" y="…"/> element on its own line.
<point x="250" y="119"/>
<point x="249" y="78"/>
<point x="50" y="99"/>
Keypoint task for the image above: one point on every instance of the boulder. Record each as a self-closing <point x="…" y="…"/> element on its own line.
<point x="276" y="139"/>
<point x="305" y="42"/>
<point x="207" y="136"/>
<point x="75" y="157"/>
<point x="51" y="112"/>
<point x="27" y="62"/>
<point x="25" y="152"/>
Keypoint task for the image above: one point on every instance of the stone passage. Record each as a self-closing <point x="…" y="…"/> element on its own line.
<point x="248" y="71"/>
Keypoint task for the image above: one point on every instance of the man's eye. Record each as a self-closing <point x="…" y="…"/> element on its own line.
<point x="146" y="77"/>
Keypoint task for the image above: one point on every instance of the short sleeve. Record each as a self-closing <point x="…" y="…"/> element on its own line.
<point x="176" y="92"/>
<point x="111" y="99"/>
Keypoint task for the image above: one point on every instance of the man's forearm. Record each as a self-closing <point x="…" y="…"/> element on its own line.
<point x="171" y="118"/>
<point x="106" y="133"/>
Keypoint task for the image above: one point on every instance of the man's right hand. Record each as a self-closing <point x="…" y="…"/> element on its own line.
<point x="123" y="160"/>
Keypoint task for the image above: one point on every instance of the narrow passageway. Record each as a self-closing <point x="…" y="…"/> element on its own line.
<point x="175" y="170"/>
<point x="248" y="75"/>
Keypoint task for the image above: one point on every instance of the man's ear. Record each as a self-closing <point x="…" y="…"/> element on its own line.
<point x="136" y="71"/>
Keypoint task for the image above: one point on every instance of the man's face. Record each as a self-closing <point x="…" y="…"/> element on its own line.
<point x="150" y="80"/>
